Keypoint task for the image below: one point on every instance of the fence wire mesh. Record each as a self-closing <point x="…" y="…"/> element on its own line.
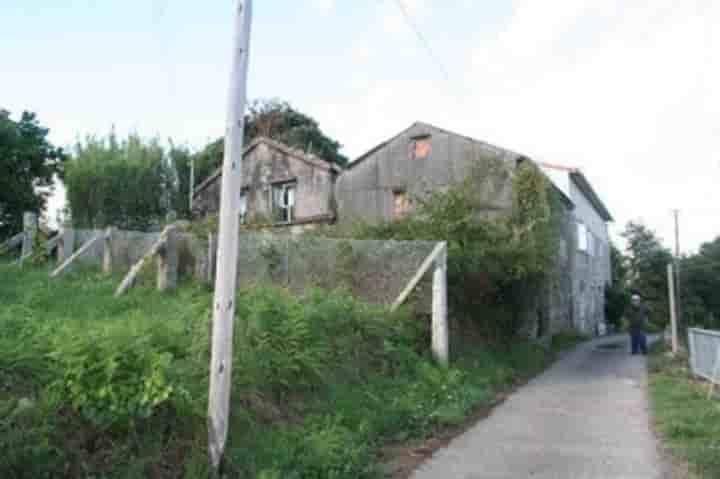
<point x="704" y="348"/>
<point x="375" y="271"/>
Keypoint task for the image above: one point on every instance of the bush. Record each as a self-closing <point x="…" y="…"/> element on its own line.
<point x="617" y="299"/>
<point x="113" y="378"/>
<point x="497" y="263"/>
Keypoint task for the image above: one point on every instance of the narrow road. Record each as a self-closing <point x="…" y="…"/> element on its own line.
<point x="585" y="418"/>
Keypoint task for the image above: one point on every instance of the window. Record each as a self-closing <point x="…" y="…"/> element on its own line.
<point x="590" y="244"/>
<point x="283" y="202"/>
<point x="582" y="237"/>
<point x="242" y="207"/>
<point x="420" y="148"/>
<point x="401" y="203"/>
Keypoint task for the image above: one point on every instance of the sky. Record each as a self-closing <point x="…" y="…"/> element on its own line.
<point x="626" y="90"/>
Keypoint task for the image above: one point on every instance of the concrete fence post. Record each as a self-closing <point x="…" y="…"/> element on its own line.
<point x="67" y="242"/>
<point x="107" y="250"/>
<point x="30" y="224"/>
<point x="440" y="345"/>
<point x="167" y="262"/>
<point x="211" y="254"/>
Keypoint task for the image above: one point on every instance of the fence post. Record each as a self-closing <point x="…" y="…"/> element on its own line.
<point x="693" y="352"/>
<point x="30" y="229"/>
<point x="67" y="242"/>
<point x="211" y="258"/>
<point x="167" y="263"/>
<point x="439" y="309"/>
<point x="107" y="250"/>
<point x="673" y="311"/>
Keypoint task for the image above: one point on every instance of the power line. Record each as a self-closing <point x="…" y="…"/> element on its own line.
<point x="411" y="23"/>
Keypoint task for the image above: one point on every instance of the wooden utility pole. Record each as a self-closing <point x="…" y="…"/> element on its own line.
<point x="673" y="310"/>
<point x="226" y="276"/>
<point x="676" y="214"/>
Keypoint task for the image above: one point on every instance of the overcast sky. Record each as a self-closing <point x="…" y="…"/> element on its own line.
<point x="627" y="90"/>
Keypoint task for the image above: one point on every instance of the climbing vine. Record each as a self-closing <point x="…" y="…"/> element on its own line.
<point x="499" y="254"/>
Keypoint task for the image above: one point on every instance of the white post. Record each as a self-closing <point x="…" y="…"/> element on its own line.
<point x="226" y="277"/>
<point x="30" y="229"/>
<point x="439" y="309"/>
<point x="67" y="243"/>
<point x="673" y="311"/>
<point x="107" y="250"/>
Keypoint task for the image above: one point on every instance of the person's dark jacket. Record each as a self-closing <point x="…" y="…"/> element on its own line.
<point x="637" y="317"/>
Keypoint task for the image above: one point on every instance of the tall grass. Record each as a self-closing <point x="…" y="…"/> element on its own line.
<point x="94" y="386"/>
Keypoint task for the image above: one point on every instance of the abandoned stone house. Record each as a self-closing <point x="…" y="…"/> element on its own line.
<point x="377" y="186"/>
<point x="281" y="187"/>
<point x="296" y="191"/>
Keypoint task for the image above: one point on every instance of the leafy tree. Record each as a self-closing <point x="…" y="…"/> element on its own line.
<point x="617" y="296"/>
<point x="497" y="264"/>
<point x="28" y="163"/>
<point x="129" y="184"/>
<point x="280" y="121"/>
<point x="647" y="268"/>
<point x="701" y="282"/>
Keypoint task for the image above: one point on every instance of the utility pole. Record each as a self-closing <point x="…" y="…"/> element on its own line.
<point x="226" y="276"/>
<point x="192" y="182"/>
<point x="676" y="214"/>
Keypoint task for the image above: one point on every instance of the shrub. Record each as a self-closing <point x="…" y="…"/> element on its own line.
<point x="113" y="378"/>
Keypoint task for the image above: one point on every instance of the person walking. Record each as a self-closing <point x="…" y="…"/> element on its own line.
<point x="637" y="315"/>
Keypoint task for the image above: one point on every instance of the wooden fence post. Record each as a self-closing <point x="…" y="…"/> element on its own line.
<point x="439" y="308"/>
<point x="167" y="263"/>
<point x="107" y="250"/>
<point x="30" y="229"/>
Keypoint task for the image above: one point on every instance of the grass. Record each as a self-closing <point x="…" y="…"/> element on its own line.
<point x="687" y="420"/>
<point x="93" y="386"/>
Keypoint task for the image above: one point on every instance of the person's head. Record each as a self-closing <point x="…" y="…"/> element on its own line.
<point x="635" y="299"/>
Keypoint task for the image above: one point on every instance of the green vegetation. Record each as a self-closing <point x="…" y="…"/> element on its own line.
<point x="131" y="183"/>
<point x="497" y="262"/>
<point x="688" y="421"/>
<point x="93" y="386"/>
<point x="28" y="163"/>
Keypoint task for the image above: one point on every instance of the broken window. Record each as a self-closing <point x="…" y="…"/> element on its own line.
<point x="582" y="237"/>
<point x="420" y="148"/>
<point x="401" y="203"/>
<point x="283" y="202"/>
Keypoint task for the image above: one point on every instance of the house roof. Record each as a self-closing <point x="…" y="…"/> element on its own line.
<point x="582" y="182"/>
<point x="429" y="126"/>
<point x="279" y="146"/>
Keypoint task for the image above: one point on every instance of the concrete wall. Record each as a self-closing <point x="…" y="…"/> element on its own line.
<point x="265" y="164"/>
<point x="590" y="271"/>
<point x="365" y="190"/>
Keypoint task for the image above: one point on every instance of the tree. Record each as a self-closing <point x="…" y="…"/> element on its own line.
<point x="131" y="184"/>
<point x="28" y="164"/>
<point x="647" y="268"/>
<point x="701" y="282"/>
<point x="280" y="121"/>
<point x="617" y="296"/>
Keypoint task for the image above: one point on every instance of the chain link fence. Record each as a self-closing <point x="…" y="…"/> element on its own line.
<point x="704" y="353"/>
<point x="375" y="271"/>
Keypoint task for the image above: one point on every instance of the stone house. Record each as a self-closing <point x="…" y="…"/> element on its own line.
<point x="377" y="186"/>
<point x="590" y="266"/>
<point x="282" y="187"/>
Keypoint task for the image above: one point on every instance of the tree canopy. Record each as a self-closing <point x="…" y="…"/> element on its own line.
<point x="131" y="183"/>
<point x="647" y="261"/>
<point x="280" y="121"/>
<point x="700" y="282"/>
<point x="28" y="163"/>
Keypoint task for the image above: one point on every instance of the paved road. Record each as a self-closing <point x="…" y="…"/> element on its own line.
<point x="585" y="418"/>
